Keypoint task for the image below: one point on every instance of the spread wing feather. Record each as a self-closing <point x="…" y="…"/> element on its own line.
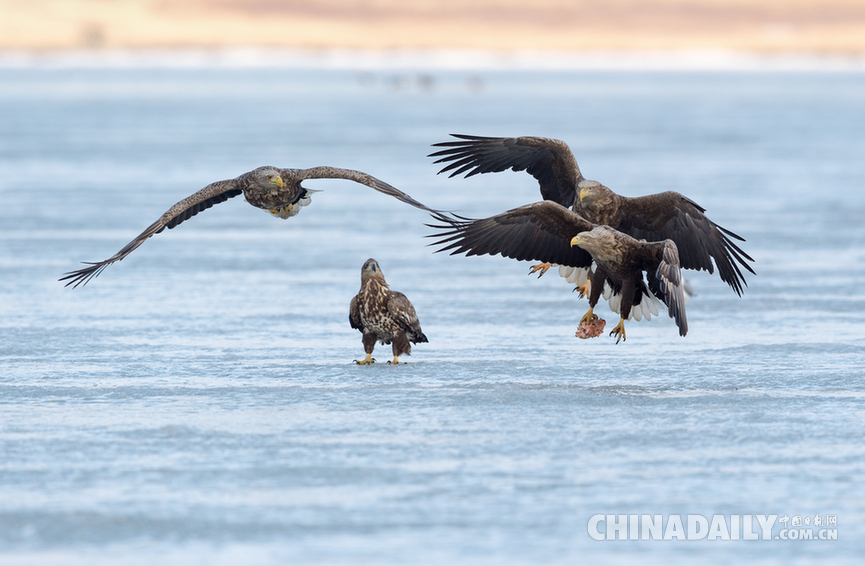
<point x="673" y="216"/>
<point x="665" y="280"/>
<point x="210" y="195"/>
<point x="547" y="160"/>
<point x="325" y="172"/>
<point x="541" y="231"/>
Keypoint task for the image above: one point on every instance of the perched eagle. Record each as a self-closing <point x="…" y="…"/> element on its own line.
<point x="547" y="231"/>
<point x="277" y="191"/>
<point x="662" y="216"/>
<point x="383" y="315"/>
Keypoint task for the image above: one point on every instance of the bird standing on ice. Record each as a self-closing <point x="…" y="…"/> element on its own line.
<point x="383" y="315"/>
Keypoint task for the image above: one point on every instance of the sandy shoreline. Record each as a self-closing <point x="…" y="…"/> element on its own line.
<point x="399" y="60"/>
<point x="756" y="26"/>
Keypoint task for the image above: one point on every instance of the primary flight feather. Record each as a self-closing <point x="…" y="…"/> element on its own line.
<point x="275" y="190"/>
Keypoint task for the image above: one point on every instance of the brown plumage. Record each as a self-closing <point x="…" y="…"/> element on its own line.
<point x="383" y="315"/>
<point x="656" y="217"/>
<point x="275" y="190"/>
<point x="621" y="261"/>
<point x="547" y="231"/>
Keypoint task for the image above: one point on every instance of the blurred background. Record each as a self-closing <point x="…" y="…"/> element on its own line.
<point x="198" y="404"/>
<point x="825" y="26"/>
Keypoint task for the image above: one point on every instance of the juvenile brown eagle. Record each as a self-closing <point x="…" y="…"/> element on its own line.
<point x="278" y="191"/>
<point x="662" y="216"/>
<point x="383" y="315"/>
<point x="547" y="231"/>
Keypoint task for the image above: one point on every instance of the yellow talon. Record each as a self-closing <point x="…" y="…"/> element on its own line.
<point x="589" y="317"/>
<point x="368" y="360"/>
<point x="584" y="289"/>
<point x="395" y="361"/>
<point x="619" y="331"/>
<point x="542" y="267"/>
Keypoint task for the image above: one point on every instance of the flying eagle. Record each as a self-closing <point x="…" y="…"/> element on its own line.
<point x="383" y="315"/>
<point x="547" y="231"/>
<point x="278" y="191"/>
<point x="668" y="215"/>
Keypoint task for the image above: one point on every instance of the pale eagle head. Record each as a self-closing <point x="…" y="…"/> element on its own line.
<point x="267" y="177"/>
<point x="601" y="242"/>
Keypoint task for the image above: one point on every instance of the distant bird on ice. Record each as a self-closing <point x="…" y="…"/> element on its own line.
<point x="383" y="315"/>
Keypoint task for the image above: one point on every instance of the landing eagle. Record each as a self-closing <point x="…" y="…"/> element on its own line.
<point x="547" y="231"/>
<point x="383" y="315"/>
<point x="657" y="217"/>
<point x="278" y="191"/>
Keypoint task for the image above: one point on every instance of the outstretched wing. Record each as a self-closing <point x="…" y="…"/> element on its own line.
<point x="325" y="172"/>
<point x="214" y="193"/>
<point x="541" y="231"/>
<point x="673" y="216"/>
<point x="665" y="280"/>
<point x="549" y="161"/>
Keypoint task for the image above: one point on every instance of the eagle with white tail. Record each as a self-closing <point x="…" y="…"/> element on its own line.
<point x="702" y="244"/>
<point x="547" y="231"/>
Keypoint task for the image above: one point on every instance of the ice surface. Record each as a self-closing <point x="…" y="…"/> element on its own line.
<point x="197" y="403"/>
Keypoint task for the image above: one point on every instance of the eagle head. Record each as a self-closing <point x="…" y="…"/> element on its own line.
<point x="267" y="176"/>
<point x="588" y="188"/>
<point x="370" y="270"/>
<point x="601" y="241"/>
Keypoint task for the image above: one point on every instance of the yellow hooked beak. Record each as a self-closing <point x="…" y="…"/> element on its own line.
<point x="583" y="192"/>
<point x="276" y="180"/>
<point x="576" y="240"/>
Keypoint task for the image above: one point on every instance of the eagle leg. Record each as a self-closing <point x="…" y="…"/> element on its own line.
<point x="395" y="361"/>
<point x="542" y="267"/>
<point x="619" y="331"/>
<point x="400" y="346"/>
<point x="368" y="360"/>
<point x="589" y="317"/>
<point x="585" y="289"/>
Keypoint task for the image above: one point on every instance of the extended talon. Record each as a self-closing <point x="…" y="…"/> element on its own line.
<point x="368" y="360"/>
<point x="619" y="331"/>
<point x="542" y="267"/>
<point x="395" y="361"/>
<point x="585" y="289"/>
<point x="589" y="317"/>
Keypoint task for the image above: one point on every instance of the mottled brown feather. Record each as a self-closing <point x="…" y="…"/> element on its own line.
<point x="383" y="315"/>
<point x="256" y="191"/>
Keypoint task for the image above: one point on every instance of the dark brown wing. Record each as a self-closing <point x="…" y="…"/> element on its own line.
<point x="354" y="315"/>
<point x="663" y="273"/>
<point x="325" y="172"/>
<point x="214" y="193"/>
<point x="541" y="231"/>
<point x="402" y="311"/>
<point x="549" y="161"/>
<point x="673" y="216"/>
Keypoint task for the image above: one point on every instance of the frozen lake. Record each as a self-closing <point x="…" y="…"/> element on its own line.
<point x="197" y="404"/>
